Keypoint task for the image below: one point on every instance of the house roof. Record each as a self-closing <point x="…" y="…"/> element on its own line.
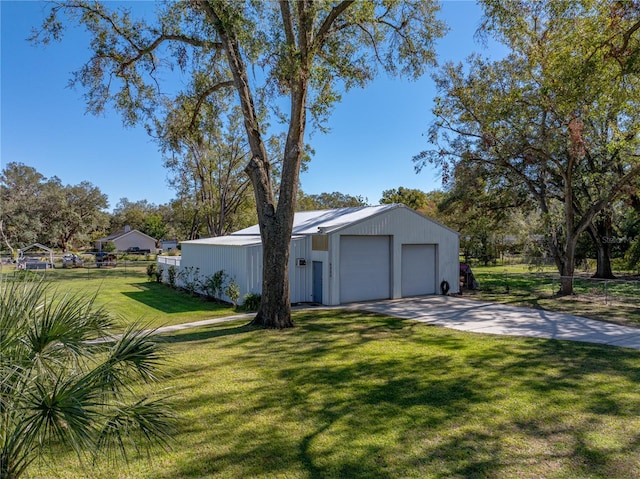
<point x="328" y="221"/>
<point x="122" y="234"/>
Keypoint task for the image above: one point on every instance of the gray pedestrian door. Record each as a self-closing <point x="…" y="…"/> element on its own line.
<point x="317" y="282"/>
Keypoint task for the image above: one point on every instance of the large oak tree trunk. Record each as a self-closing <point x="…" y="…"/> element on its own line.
<point x="275" y="215"/>
<point x="276" y="224"/>
<point x="599" y="231"/>
<point x="603" y="262"/>
<point x="275" y="221"/>
<point x="575" y="154"/>
<point x="275" y="306"/>
<point x="568" y="266"/>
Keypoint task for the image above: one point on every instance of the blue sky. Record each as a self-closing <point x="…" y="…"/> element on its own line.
<point x="43" y="124"/>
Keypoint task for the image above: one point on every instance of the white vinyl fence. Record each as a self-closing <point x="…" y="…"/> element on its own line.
<point x="167" y="262"/>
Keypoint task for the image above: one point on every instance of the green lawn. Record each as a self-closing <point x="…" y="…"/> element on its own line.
<point x="617" y="302"/>
<point x="352" y="395"/>
<point x="355" y="395"/>
<point x="127" y="293"/>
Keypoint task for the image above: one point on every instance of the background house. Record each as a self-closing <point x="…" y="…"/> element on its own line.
<point x="342" y="255"/>
<point x="168" y="245"/>
<point x="128" y="239"/>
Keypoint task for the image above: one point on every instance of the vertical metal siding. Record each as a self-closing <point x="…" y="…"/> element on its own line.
<point x="210" y="259"/>
<point x="254" y="269"/>
<point x="406" y="227"/>
<point x="300" y="277"/>
<point x="244" y="265"/>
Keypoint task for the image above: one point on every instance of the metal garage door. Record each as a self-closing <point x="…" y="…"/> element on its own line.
<point x="364" y="268"/>
<point x="418" y="269"/>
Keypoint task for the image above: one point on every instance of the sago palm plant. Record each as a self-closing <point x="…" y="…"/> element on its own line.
<point x="66" y="378"/>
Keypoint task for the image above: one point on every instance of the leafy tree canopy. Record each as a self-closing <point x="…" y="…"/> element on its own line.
<point x="131" y="213"/>
<point x="411" y="197"/>
<point x="36" y="209"/>
<point x="324" y="201"/>
<point x="556" y="120"/>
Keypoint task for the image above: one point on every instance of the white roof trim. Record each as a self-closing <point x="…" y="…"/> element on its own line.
<point x="229" y="240"/>
<point x="232" y="240"/>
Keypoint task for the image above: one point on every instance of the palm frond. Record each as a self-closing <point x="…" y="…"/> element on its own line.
<point x="61" y="381"/>
<point x="62" y="411"/>
<point x="135" y="356"/>
<point x="149" y="421"/>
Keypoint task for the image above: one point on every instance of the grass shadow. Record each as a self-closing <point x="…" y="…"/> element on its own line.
<point x="169" y="301"/>
<point x="204" y="333"/>
<point x="346" y="394"/>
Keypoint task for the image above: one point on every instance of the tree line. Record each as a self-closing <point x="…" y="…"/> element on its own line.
<point x="36" y="209"/>
<point x="488" y="229"/>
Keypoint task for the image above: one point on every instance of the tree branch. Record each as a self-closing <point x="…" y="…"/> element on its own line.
<point x="614" y="192"/>
<point x="202" y="98"/>
<point x="325" y="28"/>
<point x="258" y="166"/>
<point x="142" y="51"/>
<point x="628" y="34"/>
<point x="287" y="21"/>
<point x="373" y="42"/>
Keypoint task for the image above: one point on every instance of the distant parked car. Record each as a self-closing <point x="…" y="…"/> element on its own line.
<point x="138" y="250"/>
<point x="72" y="261"/>
<point x="105" y="259"/>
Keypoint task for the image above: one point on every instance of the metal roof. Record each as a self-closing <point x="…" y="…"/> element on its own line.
<point x="307" y="223"/>
<point x="322" y="221"/>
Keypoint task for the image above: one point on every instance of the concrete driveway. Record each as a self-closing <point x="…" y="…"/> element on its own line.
<point x="482" y="317"/>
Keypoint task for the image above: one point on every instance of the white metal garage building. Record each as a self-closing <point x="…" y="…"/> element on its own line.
<point x="342" y="255"/>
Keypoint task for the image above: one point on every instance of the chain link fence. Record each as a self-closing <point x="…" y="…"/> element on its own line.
<point x="87" y="266"/>
<point x="623" y="290"/>
<point x="619" y="291"/>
